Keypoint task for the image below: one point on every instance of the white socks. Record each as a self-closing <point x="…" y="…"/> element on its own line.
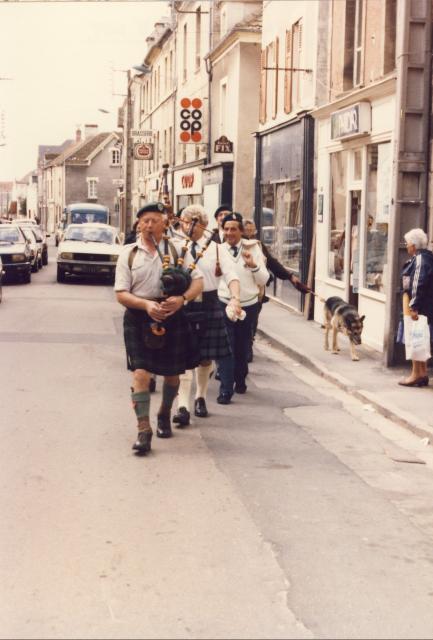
<point x="185" y="380"/>
<point x="202" y="375"/>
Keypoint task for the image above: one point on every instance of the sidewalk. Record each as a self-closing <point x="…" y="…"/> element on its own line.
<point x="368" y="379"/>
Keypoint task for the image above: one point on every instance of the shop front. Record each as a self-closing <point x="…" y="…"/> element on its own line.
<point x="284" y="199"/>
<point x="187" y="186"/>
<point x="355" y="160"/>
<point x="217" y="186"/>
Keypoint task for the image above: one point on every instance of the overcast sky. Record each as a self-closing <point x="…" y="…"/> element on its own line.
<point x="60" y="56"/>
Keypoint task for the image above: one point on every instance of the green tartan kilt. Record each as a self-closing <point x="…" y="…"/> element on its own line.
<point x="181" y="350"/>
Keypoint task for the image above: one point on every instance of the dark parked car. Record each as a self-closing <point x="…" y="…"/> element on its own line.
<point x="40" y="237"/>
<point x="15" y="253"/>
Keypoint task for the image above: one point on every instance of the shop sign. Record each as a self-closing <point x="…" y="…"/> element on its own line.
<point x="223" y="145"/>
<point x="143" y="151"/>
<point x="141" y="133"/>
<point x="190" y="120"/>
<point x="188" y="182"/>
<point x="353" y="121"/>
<point x="118" y="182"/>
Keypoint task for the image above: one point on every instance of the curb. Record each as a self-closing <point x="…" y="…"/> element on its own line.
<point x="390" y="411"/>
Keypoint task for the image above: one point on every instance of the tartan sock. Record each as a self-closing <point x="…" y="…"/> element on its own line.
<point x="185" y="381"/>
<point x="168" y="395"/>
<point x="202" y="376"/>
<point x="141" y="404"/>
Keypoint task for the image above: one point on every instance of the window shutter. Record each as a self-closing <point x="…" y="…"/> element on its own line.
<point x="263" y="78"/>
<point x="288" y="74"/>
<point x="276" y="62"/>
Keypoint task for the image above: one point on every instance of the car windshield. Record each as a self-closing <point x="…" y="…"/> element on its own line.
<point x="88" y="216"/>
<point x="89" y="235"/>
<point x="10" y="235"/>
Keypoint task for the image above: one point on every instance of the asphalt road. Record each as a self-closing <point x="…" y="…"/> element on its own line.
<point x="295" y="512"/>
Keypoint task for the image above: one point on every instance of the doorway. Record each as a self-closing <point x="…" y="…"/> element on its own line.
<point x="355" y="220"/>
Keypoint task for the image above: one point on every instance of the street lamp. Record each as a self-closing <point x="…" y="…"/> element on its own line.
<point x="142" y="68"/>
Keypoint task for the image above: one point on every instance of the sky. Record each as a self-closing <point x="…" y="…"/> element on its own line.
<point x="62" y="58"/>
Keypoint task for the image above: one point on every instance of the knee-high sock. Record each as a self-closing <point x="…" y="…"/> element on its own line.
<point x="141" y="404"/>
<point x="168" y="395"/>
<point x="202" y="374"/>
<point x="185" y="380"/>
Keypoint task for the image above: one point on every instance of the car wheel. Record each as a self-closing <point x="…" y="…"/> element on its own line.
<point x="45" y="258"/>
<point x="35" y="266"/>
<point x="1" y="293"/>
<point x="28" y="277"/>
<point x="40" y="263"/>
<point x="61" y="277"/>
<point x="57" y="242"/>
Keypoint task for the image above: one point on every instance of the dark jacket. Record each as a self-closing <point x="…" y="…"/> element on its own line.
<point x="417" y="281"/>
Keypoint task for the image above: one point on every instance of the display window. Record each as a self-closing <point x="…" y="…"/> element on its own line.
<point x="378" y="202"/>
<point x="337" y="235"/>
<point x="281" y="231"/>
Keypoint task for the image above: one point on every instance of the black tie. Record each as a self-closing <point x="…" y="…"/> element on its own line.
<point x="234" y="251"/>
<point x="193" y="250"/>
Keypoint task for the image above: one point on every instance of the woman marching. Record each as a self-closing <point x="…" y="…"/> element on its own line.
<point x="214" y="342"/>
<point x="157" y="334"/>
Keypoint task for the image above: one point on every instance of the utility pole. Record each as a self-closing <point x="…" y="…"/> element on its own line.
<point x="128" y="157"/>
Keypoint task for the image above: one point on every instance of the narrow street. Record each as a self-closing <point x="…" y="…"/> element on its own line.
<point x="295" y="512"/>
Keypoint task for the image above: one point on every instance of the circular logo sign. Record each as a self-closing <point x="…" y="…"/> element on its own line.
<point x="143" y="151"/>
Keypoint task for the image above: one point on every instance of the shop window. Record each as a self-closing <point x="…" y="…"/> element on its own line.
<point x="379" y="171"/>
<point x="336" y="266"/>
<point x="353" y="43"/>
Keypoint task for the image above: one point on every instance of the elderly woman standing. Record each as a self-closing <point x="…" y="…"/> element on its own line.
<point x="417" y="285"/>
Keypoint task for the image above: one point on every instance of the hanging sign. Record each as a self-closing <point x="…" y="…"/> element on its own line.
<point x="190" y="122"/>
<point x="143" y="151"/>
<point x="223" y="145"/>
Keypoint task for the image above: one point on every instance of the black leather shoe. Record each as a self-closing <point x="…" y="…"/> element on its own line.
<point x="240" y="388"/>
<point x="200" y="409"/>
<point x="164" y="427"/>
<point x="182" y="417"/>
<point x="143" y="442"/>
<point x="224" y="398"/>
<point x="152" y="385"/>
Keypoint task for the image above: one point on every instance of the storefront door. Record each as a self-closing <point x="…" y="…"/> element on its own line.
<point x="354" y="249"/>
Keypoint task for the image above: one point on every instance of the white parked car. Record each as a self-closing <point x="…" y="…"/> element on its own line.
<point x="88" y="249"/>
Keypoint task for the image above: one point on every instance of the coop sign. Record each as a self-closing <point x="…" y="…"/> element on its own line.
<point x="350" y="122"/>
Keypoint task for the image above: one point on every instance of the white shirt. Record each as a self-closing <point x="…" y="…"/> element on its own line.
<point x="143" y="279"/>
<point x="249" y="279"/>
<point x="207" y="265"/>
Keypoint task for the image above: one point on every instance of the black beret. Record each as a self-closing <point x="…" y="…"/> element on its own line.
<point x="232" y="216"/>
<point x="152" y="207"/>
<point x="223" y="207"/>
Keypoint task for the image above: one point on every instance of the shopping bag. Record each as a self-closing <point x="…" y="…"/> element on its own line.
<point x="417" y="338"/>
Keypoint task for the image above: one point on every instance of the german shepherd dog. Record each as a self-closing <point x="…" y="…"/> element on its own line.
<point x="342" y="317"/>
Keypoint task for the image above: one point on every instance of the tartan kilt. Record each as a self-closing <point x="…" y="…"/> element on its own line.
<point x="214" y="343"/>
<point x="180" y="352"/>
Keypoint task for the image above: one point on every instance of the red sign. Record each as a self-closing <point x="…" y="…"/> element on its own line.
<point x="187" y="181"/>
<point x="143" y="151"/>
<point x="190" y="120"/>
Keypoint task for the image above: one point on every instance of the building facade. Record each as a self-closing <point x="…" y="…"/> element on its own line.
<point x="285" y="138"/>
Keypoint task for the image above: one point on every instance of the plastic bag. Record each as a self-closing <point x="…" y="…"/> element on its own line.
<point x="417" y="338"/>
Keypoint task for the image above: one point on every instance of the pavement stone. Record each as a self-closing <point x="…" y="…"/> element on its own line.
<point x="368" y="380"/>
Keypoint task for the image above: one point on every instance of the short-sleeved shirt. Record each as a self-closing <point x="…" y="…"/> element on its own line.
<point x="143" y="278"/>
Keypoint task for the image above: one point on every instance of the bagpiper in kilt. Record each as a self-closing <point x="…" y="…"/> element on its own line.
<point x="158" y="336"/>
<point x="214" y="338"/>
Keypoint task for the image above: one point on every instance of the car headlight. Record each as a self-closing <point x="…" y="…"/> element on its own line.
<point x="66" y="256"/>
<point x="113" y="258"/>
<point x="18" y="257"/>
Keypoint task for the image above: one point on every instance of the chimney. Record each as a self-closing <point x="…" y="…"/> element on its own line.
<point x="78" y="135"/>
<point x="90" y="130"/>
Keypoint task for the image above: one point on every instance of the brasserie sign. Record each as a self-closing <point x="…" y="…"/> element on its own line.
<point x="352" y="121"/>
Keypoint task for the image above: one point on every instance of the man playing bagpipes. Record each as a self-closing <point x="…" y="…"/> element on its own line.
<point x="214" y="265"/>
<point x="158" y="337"/>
